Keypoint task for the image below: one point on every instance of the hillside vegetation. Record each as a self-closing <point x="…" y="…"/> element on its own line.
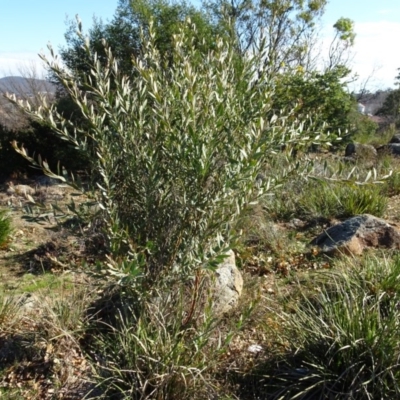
<point x="177" y="136"/>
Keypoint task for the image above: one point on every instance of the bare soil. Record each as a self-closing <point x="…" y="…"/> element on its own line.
<point x="40" y="241"/>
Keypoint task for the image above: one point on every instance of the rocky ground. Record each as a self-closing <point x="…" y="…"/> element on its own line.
<point x="44" y="257"/>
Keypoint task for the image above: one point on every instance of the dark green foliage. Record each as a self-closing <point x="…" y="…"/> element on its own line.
<point x="391" y="106"/>
<point x="10" y="161"/>
<point x="123" y="33"/>
<point x="363" y="129"/>
<point x="37" y="139"/>
<point x="323" y="96"/>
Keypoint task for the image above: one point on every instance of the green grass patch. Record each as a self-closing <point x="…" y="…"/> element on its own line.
<point x="392" y="184"/>
<point x="320" y="199"/>
<point x="5" y="227"/>
<point x="344" y="200"/>
<point x="29" y="283"/>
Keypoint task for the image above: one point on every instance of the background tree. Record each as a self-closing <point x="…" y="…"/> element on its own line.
<point x="123" y="33"/>
<point x="391" y="105"/>
<point x="303" y="80"/>
<point x="321" y="95"/>
<point x="287" y="26"/>
<point x="343" y="40"/>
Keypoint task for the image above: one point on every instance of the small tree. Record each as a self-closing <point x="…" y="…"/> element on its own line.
<point x="320" y="94"/>
<point x="178" y="149"/>
<point x="341" y="44"/>
<point x="286" y="26"/>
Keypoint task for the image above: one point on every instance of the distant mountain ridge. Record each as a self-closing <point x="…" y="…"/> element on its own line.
<point x="21" y="86"/>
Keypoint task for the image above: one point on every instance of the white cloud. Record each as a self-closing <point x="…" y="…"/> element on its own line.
<point x="17" y="63"/>
<point x="390" y="12"/>
<point x="375" y="55"/>
<point x="375" y="48"/>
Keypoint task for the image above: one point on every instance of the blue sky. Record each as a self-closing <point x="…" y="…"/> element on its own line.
<point x="26" y="26"/>
<point x="376" y="53"/>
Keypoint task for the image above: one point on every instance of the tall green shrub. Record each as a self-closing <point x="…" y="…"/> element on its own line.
<point x="178" y="148"/>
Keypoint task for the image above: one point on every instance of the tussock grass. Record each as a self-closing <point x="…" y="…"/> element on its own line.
<point x="343" y="200"/>
<point x="340" y="339"/>
<point x="319" y="199"/>
<point x="331" y="192"/>
<point x="40" y="339"/>
<point x="152" y="351"/>
<point x="9" y="311"/>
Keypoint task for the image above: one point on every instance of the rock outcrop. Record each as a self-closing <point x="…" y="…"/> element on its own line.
<point x="395" y="138"/>
<point x="361" y="151"/>
<point x="358" y="233"/>
<point x="228" y="284"/>
<point x="393" y="148"/>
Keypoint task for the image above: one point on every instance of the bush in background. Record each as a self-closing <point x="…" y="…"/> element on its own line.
<point x="322" y="95"/>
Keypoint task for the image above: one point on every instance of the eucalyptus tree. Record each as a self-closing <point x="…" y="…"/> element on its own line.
<point x="342" y="42"/>
<point x="286" y="27"/>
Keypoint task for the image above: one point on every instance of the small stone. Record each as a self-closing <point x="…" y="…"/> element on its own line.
<point x="395" y="138"/>
<point x="359" y="150"/>
<point x="228" y="284"/>
<point x="357" y="233"/>
<point x="254" y="348"/>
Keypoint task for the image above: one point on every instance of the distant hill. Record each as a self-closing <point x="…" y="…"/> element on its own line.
<point x="25" y="87"/>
